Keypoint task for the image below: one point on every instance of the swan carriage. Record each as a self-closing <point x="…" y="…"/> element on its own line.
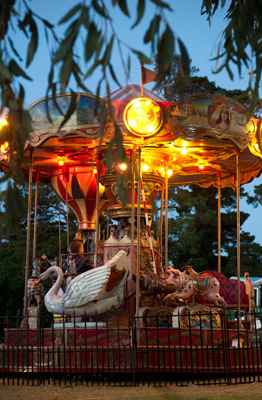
<point x="117" y="268"/>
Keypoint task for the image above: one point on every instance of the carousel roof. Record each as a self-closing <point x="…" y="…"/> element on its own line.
<point x="198" y="139"/>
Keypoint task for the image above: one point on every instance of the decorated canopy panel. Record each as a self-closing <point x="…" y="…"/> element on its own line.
<point x="196" y="140"/>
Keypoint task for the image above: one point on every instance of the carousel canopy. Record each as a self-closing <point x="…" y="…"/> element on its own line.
<point x="196" y="140"/>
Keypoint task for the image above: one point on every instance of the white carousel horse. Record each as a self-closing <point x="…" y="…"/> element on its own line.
<point x="92" y="292"/>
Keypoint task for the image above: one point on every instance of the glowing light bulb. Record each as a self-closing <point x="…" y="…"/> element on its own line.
<point x="61" y="161"/>
<point x="143" y="116"/>
<point x="4" y="151"/>
<point x="251" y="126"/>
<point x="145" y="167"/>
<point x="3" y="118"/>
<point x="183" y="150"/>
<point x="4" y="147"/>
<point x="162" y="171"/>
<point x="3" y="122"/>
<point x="122" y="166"/>
<point x="169" y="172"/>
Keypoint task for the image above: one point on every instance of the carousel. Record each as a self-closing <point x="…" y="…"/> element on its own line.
<point x="113" y="169"/>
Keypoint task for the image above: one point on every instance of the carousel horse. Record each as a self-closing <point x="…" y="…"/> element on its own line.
<point x="92" y="292"/>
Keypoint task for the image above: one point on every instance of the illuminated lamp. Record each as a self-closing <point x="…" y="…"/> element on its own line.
<point x="169" y="172"/>
<point x="60" y="161"/>
<point x="251" y="126"/>
<point x="122" y="166"/>
<point x="143" y="116"/>
<point x="3" y="122"/>
<point x="145" y="167"/>
<point x="184" y="150"/>
<point x="201" y="165"/>
<point x="3" y="118"/>
<point x="4" y="148"/>
<point x="162" y="171"/>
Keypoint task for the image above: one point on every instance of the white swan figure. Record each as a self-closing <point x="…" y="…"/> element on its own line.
<point x="92" y="292"/>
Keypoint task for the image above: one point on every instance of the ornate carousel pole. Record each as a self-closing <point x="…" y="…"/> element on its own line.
<point x="35" y="220"/>
<point x="67" y="220"/>
<point x="219" y="224"/>
<point x="162" y="204"/>
<point x="166" y="217"/>
<point x="238" y="229"/>
<point x="138" y="256"/>
<point x="60" y="261"/>
<point x="96" y="217"/>
<point x="133" y="178"/>
<point x="28" y="237"/>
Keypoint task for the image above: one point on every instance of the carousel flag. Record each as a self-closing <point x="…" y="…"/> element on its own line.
<point x="147" y="75"/>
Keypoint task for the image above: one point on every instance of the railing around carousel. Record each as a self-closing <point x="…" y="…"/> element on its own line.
<point x="200" y="348"/>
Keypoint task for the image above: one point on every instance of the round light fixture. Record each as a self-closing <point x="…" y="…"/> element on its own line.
<point x="169" y="172"/>
<point x="122" y="166"/>
<point x="60" y="161"/>
<point x="145" y="167"/>
<point x="143" y="116"/>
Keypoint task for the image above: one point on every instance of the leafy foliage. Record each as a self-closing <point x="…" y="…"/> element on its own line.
<point x="193" y="221"/>
<point x="240" y="43"/>
<point x="88" y="29"/>
<point x="90" y="39"/>
<point x="193" y="232"/>
<point x="13" y="217"/>
<point x="256" y="197"/>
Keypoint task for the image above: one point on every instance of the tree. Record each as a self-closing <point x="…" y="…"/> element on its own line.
<point x="13" y="218"/>
<point x="255" y="198"/>
<point x="193" y="231"/>
<point x="240" y="43"/>
<point x="89" y="39"/>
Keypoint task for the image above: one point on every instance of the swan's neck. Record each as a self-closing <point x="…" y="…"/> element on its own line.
<point x="54" y="299"/>
<point x="59" y="280"/>
<point x="58" y="283"/>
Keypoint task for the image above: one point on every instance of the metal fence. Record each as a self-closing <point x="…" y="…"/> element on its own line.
<point x="199" y="348"/>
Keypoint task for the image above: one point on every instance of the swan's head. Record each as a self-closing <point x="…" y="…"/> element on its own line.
<point x="51" y="272"/>
<point x="119" y="261"/>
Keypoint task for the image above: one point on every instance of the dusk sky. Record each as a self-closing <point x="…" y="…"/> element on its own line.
<point x="187" y="23"/>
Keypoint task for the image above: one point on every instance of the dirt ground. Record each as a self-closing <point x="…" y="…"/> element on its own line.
<point x="171" y="392"/>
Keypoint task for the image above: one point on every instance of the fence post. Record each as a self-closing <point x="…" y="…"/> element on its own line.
<point x="133" y="347"/>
